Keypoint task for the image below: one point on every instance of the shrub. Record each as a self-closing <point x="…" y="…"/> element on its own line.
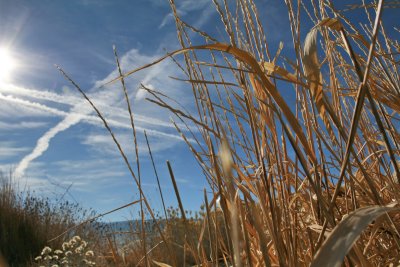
<point x="28" y="222"/>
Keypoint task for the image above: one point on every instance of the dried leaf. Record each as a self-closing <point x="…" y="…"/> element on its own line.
<point x="310" y="58"/>
<point x="332" y="23"/>
<point x="274" y="69"/>
<point x="346" y="233"/>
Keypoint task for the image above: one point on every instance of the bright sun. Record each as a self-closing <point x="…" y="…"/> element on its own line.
<point x="7" y="64"/>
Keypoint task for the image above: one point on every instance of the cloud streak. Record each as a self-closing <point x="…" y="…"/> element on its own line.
<point x="21" y="125"/>
<point x="107" y="99"/>
<point x="93" y="120"/>
<point x="8" y="149"/>
<point x="44" y="141"/>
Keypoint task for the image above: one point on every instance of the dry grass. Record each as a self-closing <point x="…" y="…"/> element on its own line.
<point x="325" y="162"/>
<point x="28" y="222"/>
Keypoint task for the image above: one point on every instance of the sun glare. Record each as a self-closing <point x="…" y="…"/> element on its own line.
<point x="7" y="64"/>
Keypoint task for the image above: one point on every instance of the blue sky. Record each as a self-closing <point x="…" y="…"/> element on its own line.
<point x="49" y="134"/>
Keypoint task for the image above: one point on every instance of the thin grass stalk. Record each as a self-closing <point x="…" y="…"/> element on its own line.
<point x="143" y="229"/>
<point x="178" y="197"/>
<point x="243" y="218"/>
<point x="155" y="172"/>
<point x="183" y="215"/>
<point x="227" y="163"/>
<point x="221" y="194"/>
<point x="213" y="253"/>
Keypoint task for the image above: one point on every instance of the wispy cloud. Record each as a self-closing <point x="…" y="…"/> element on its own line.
<point x="24" y="97"/>
<point x="10" y="126"/>
<point x="87" y="175"/>
<point x="117" y="120"/>
<point x="202" y="9"/>
<point x="10" y="149"/>
<point x="103" y="144"/>
<point x="28" y="108"/>
<point x="75" y="110"/>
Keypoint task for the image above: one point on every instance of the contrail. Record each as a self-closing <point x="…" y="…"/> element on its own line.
<point x="43" y="142"/>
<point x="80" y="112"/>
<point x="73" y="101"/>
<point x="70" y="119"/>
<point x="93" y="120"/>
<point x="33" y="105"/>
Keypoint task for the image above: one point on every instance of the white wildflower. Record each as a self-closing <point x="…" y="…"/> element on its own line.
<point x="46" y="250"/>
<point x="89" y="253"/>
<point x="47" y="258"/>
<point x="68" y="253"/>
<point x="65" y="246"/>
<point x="89" y="263"/>
<point x="79" y="250"/>
<point x="38" y="258"/>
<point x="58" y="252"/>
<point x="72" y="243"/>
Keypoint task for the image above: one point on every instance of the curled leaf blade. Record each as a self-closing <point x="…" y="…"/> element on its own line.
<point x="313" y="74"/>
<point x="346" y="233"/>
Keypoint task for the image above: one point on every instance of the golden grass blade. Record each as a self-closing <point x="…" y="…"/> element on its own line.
<point x="313" y="74"/>
<point x="227" y="164"/>
<point x="160" y="264"/>
<point x="346" y="233"/>
<point x="257" y="223"/>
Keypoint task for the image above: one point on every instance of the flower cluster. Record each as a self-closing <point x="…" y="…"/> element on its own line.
<point x="75" y="252"/>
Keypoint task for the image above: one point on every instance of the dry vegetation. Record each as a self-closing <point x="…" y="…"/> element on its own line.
<point x="308" y="166"/>
<point x="302" y="149"/>
<point x="28" y="222"/>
